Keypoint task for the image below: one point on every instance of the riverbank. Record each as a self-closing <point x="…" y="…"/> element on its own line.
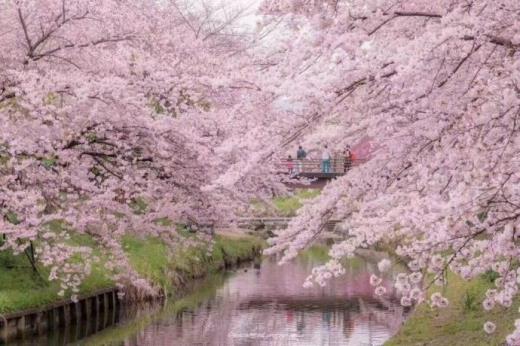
<point x="284" y="206"/>
<point x="23" y="289"/>
<point x="461" y="323"/>
<point x="264" y="304"/>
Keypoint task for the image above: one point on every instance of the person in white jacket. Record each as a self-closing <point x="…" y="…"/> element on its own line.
<point x="325" y="160"/>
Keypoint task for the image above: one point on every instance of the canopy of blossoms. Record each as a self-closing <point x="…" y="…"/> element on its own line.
<point x="436" y="87"/>
<point x="105" y="103"/>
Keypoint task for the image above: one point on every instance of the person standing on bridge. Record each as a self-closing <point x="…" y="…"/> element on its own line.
<point x="300" y="156"/>
<point x="347" y="163"/>
<point x="325" y="160"/>
<point x="290" y="165"/>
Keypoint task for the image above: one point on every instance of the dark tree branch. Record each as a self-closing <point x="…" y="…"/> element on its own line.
<point x="398" y="14"/>
<point x="473" y="49"/>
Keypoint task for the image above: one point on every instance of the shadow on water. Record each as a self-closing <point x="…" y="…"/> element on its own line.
<point x="261" y="304"/>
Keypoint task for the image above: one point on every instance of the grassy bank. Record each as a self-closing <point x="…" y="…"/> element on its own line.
<point x="21" y="288"/>
<point x="286" y="205"/>
<point x="461" y="323"/>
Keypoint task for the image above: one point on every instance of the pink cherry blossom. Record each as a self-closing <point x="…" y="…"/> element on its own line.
<point x="489" y="327"/>
<point x="375" y="280"/>
<point x="384" y="265"/>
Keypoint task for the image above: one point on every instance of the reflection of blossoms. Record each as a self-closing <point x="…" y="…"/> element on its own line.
<point x="375" y="280"/>
<point x="380" y="290"/>
<point x="308" y="284"/>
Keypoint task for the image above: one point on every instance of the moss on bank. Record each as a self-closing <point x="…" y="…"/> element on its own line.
<point x="461" y="323"/>
<point x="21" y="288"/>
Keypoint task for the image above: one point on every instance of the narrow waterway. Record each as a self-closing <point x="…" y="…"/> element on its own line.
<point x="261" y="304"/>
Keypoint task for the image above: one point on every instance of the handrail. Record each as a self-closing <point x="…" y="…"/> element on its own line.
<point x="337" y="165"/>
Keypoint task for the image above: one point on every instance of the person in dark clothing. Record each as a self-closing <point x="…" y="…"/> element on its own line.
<point x="300" y="156"/>
<point x="347" y="157"/>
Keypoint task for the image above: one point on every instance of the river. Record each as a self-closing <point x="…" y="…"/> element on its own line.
<point x="261" y="304"/>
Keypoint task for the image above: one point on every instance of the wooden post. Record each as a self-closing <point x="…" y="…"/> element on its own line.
<point x="98" y="307"/>
<point x="114" y="300"/>
<point x="114" y="307"/>
<point x="60" y="315"/>
<point x="38" y="323"/>
<point x="20" y="326"/>
<point x="88" y="315"/>
<point x="3" y="336"/>
<point x="66" y="315"/>
<point x="77" y="321"/>
<point x="77" y="313"/>
<point x="50" y="319"/>
<point x="105" y="310"/>
<point x="66" y="324"/>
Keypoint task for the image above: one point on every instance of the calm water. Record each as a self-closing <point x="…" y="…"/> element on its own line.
<point x="263" y="304"/>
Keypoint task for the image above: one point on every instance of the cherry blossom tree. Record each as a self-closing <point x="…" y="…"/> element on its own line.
<point x="104" y="105"/>
<point x="436" y="86"/>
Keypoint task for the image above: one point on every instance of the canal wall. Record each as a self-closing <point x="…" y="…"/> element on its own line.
<point x="88" y="315"/>
<point x="97" y="310"/>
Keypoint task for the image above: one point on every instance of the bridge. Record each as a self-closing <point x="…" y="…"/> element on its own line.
<point x="313" y="169"/>
<point x="308" y="169"/>
<point x="255" y="223"/>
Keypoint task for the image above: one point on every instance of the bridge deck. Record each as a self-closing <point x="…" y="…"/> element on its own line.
<point x="320" y="175"/>
<point x="278" y="222"/>
<point x="314" y="169"/>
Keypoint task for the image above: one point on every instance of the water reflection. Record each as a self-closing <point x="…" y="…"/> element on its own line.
<point x="268" y="306"/>
<point x="258" y="305"/>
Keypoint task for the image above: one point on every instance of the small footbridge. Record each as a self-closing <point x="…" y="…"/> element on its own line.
<point x="258" y="223"/>
<point x="316" y="170"/>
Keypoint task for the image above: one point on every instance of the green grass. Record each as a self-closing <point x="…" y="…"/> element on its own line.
<point x="21" y="288"/>
<point x="149" y="257"/>
<point x="287" y="206"/>
<point x="461" y="323"/>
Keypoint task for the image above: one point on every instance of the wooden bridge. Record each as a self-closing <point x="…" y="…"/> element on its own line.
<point x="314" y="169"/>
<point x="256" y="223"/>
